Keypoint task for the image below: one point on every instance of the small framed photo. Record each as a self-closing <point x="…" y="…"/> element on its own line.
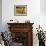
<point x="20" y="10"/>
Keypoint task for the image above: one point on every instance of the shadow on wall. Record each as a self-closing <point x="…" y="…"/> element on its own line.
<point x="43" y="6"/>
<point x="0" y="15"/>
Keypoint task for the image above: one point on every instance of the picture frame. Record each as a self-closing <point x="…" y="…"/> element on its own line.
<point x="20" y="10"/>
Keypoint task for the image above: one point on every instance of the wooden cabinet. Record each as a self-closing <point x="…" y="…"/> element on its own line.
<point x="22" y="33"/>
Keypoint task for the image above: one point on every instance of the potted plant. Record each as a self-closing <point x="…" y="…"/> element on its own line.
<point x="41" y="36"/>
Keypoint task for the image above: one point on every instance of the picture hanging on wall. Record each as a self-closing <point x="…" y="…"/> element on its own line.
<point x="20" y="10"/>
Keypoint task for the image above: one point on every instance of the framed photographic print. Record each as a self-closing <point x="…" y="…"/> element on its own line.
<point x="20" y="10"/>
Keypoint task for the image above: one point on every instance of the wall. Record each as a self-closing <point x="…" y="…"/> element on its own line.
<point x="34" y="14"/>
<point x="33" y="11"/>
<point x="0" y="15"/>
<point x="43" y="14"/>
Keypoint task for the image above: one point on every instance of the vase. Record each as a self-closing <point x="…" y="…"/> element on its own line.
<point x="41" y="43"/>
